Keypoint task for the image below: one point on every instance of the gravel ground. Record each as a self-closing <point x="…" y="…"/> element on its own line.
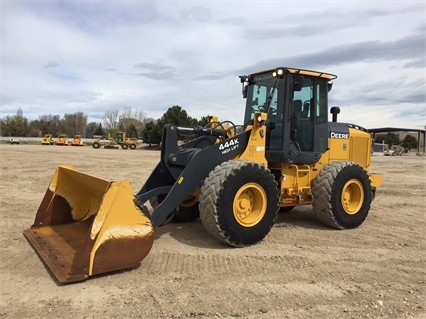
<point x="302" y="269"/>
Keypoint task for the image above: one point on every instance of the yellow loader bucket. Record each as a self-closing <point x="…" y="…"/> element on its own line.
<point x="87" y="226"/>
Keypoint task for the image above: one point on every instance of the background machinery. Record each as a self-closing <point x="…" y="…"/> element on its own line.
<point x="62" y="140"/>
<point x="235" y="178"/>
<point x="47" y="139"/>
<point x="119" y="140"/>
<point x="12" y="141"/>
<point x="77" y="141"/>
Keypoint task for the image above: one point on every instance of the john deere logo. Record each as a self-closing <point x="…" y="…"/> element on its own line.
<point x="339" y="135"/>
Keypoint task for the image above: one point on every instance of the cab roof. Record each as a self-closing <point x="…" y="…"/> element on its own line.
<point x="319" y="74"/>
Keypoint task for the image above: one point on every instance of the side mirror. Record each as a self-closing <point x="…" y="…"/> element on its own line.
<point x="244" y="91"/>
<point x="245" y="81"/>
<point x="297" y="82"/>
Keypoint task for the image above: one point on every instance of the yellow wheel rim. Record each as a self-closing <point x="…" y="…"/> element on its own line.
<point x="352" y="196"/>
<point x="250" y="205"/>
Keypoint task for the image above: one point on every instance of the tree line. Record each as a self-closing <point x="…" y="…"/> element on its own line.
<point x="134" y="122"/>
<point x="391" y="139"/>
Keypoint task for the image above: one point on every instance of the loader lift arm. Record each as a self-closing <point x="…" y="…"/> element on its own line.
<point x="183" y="168"/>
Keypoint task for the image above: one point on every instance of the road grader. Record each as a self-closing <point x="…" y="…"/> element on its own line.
<point x="234" y="178"/>
<point x="119" y="139"/>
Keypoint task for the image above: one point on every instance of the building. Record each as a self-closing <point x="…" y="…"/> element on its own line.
<point x="401" y="133"/>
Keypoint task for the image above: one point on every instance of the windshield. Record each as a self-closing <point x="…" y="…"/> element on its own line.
<point x="261" y="94"/>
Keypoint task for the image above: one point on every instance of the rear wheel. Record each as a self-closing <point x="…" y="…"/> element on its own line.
<point x="239" y="202"/>
<point x="342" y="195"/>
<point x="187" y="211"/>
<point x="286" y="209"/>
<point x="124" y="146"/>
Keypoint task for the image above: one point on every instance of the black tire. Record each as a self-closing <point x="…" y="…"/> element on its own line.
<point x="185" y="214"/>
<point x="132" y="146"/>
<point x="187" y="211"/>
<point x="96" y="145"/>
<point x="286" y="209"/>
<point x="239" y="202"/>
<point x="342" y="195"/>
<point x="124" y="146"/>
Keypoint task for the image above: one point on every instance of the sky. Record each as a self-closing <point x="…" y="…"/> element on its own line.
<point x="62" y="57"/>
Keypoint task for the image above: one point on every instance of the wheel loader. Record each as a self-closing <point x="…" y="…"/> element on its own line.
<point x="77" y="141"/>
<point x="47" y="140"/>
<point x="62" y="140"/>
<point x="234" y="178"/>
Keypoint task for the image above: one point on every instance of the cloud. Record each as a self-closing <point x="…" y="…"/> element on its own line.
<point x="69" y="56"/>
<point x="155" y="71"/>
<point x="196" y="14"/>
<point x="90" y="16"/>
<point x="51" y="65"/>
<point x="407" y="49"/>
<point x="211" y="76"/>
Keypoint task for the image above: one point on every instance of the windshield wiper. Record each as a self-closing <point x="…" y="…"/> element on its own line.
<point x="265" y="107"/>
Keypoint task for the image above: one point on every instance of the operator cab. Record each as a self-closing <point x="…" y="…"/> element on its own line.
<point x="297" y="107"/>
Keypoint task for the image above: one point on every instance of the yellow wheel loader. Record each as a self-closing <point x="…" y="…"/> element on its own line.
<point x="77" y="141"/>
<point x="47" y="140"/>
<point x="62" y="140"/>
<point x="235" y="178"/>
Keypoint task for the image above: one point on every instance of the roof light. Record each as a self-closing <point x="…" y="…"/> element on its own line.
<point x="278" y="72"/>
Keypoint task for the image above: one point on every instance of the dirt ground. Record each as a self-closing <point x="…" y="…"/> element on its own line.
<point x="301" y="270"/>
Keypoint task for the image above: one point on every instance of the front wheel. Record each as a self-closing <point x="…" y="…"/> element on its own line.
<point x="239" y="202"/>
<point x="342" y="195"/>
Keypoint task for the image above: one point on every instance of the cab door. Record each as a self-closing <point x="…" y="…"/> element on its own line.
<point x="303" y="117"/>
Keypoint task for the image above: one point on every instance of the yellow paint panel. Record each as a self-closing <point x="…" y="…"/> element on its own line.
<point x="82" y="192"/>
<point x="339" y="149"/>
<point x="118" y="217"/>
<point x="376" y="179"/>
